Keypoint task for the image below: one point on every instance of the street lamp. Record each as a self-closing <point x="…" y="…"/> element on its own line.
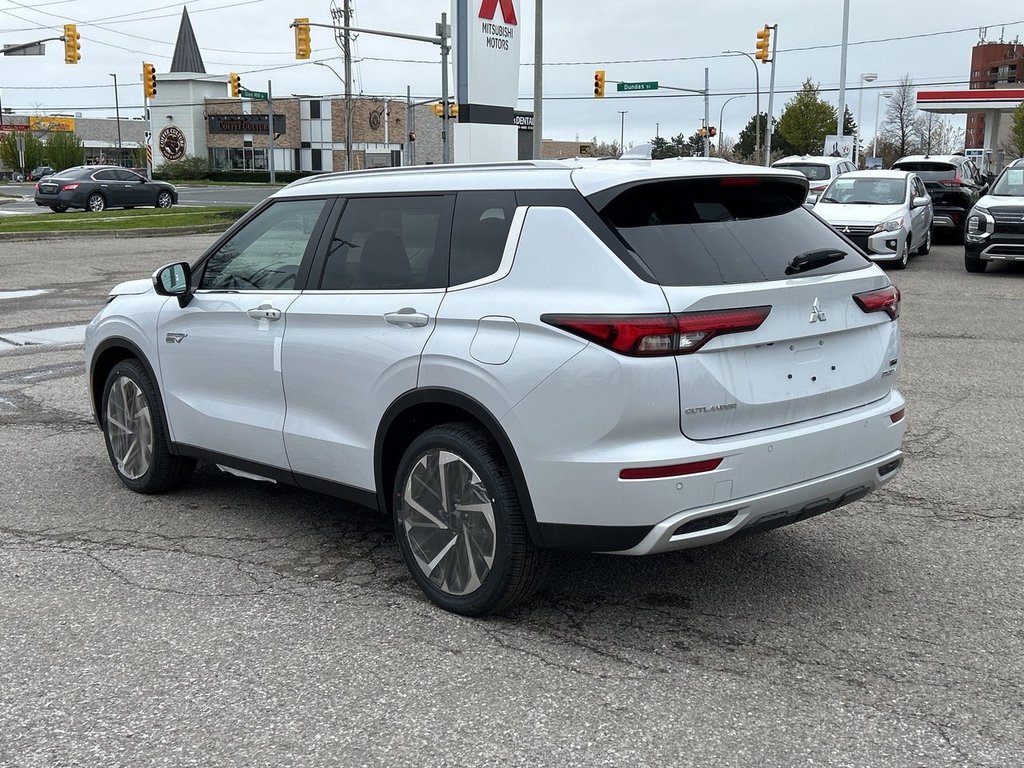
<point x="721" y="116"/>
<point x="757" y="118"/>
<point x="878" y="104"/>
<point x="348" y="115"/>
<point x="622" y="128"/>
<point x="867" y="77"/>
<point x="117" y="116"/>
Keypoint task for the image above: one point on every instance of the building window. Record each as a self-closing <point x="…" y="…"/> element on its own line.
<point x="314" y="110"/>
<point x="238" y="159"/>
<point x="317" y="160"/>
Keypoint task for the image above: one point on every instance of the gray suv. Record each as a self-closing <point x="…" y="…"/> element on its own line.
<point x="628" y="357"/>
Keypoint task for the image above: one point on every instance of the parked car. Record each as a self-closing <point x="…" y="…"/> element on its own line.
<point x="819" y="170"/>
<point x="628" y="357"/>
<point x="995" y="225"/>
<point x="97" y="187"/>
<point x="40" y="172"/>
<point x="954" y="184"/>
<point x="887" y="213"/>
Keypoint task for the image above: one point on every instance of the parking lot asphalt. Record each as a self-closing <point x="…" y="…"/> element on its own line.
<point x="235" y="623"/>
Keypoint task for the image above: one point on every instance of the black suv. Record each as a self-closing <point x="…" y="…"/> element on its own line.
<point x="995" y="226"/>
<point x="954" y="183"/>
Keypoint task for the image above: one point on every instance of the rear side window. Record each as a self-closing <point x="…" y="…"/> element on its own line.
<point x="722" y="231"/>
<point x="480" y="229"/>
<point x="389" y="244"/>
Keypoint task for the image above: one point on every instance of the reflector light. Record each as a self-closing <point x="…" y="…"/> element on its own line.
<point x="659" y="335"/>
<point x="672" y="470"/>
<point x="882" y="300"/>
<point x="898" y="416"/>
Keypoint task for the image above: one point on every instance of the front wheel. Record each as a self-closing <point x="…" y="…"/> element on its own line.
<point x="901" y="263"/>
<point x="164" y="200"/>
<point x="460" y="524"/>
<point x="926" y="246"/>
<point x="136" y="434"/>
<point x="974" y="265"/>
<point x="96" y="202"/>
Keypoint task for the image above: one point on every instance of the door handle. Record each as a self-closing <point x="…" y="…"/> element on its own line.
<point x="408" y="317"/>
<point x="264" y="312"/>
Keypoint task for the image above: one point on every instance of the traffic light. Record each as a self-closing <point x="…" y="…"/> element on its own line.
<point x="438" y="109"/>
<point x="303" y="47"/>
<point x="72" y="48"/>
<point x="148" y="80"/>
<point x="599" y="84"/>
<point x="712" y="131"/>
<point x="763" y="46"/>
<point x="703" y="131"/>
<point x="236" y="83"/>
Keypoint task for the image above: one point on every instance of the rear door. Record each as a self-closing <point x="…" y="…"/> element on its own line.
<point x="718" y="246"/>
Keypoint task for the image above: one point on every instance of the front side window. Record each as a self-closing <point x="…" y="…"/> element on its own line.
<point x="265" y="254"/>
<point x="388" y="244"/>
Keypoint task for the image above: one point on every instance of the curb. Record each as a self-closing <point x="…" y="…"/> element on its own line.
<point x="115" y="233"/>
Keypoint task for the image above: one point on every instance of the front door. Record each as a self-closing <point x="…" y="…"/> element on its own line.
<point x="220" y="356"/>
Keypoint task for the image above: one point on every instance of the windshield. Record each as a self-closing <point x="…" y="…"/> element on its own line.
<point x="1010" y="183"/>
<point x="866" y="191"/>
<point x="811" y="171"/>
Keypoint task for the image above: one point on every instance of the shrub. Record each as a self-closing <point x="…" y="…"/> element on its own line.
<point x="189" y="169"/>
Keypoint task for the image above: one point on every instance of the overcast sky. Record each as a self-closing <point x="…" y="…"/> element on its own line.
<point x="670" y="41"/>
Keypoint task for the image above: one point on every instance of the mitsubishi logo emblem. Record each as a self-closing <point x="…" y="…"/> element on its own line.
<point x="846" y="230"/>
<point x="508" y="10"/>
<point x="817" y="313"/>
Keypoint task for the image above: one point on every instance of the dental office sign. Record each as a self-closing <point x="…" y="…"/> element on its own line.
<point x="486" y="37"/>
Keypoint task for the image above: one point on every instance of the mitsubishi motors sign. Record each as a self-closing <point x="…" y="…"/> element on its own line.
<point x="486" y="40"/>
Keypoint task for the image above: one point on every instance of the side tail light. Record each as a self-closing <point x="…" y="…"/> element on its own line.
<point x="956" y="181"/>
<point x="880" y="300"/>
<point x="681" y="333"/>
<point x="69" y="187"/>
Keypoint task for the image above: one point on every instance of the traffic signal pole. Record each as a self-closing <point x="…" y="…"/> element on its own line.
<point x="771" y="99"/>
<point x="707" y="114"/>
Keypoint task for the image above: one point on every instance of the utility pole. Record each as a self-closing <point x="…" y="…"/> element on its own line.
<point x="443" y="33"/>
<point x="117" y="116"/>
<point x="707" y="114"/>
<point x="842" y="68"/>
<point x="622" y="129"/>
<point x="348" y="85"/>
<point x="770" y="128"/>
<point x="538" y="81"/>
<point x="270" y="134"/>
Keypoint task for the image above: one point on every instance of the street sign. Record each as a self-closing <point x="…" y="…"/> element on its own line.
<point x="30" y="49"/>
<point x="257" y="95"/>
<point x="648" y="86"/>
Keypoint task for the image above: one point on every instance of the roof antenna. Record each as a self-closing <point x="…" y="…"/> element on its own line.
<point x="981" y="34"/>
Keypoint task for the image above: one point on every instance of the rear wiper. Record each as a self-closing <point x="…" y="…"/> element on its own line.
<point x="808" y="260"/>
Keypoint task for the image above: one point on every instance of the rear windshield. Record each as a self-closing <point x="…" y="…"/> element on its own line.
<point x="930" y="172"/>
<point x="721" y="231"/>
<point x="812" y="171"/>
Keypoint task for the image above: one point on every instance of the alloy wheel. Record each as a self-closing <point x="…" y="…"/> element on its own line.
<point x="447" y="517"/>
<point x="129" y="423"/>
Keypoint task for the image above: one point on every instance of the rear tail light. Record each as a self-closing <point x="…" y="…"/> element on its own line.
<point x="681" y="333"/>
<point x="881" y="300"/>
<point x="954" y="182"/>
<point x="672" y="470"/>
<point x="739" y="181"/>
<point x="69" y="187"/>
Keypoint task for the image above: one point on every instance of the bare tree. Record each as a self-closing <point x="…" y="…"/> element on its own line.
<point x="936" y="135"/>
<point x="901" y="117"/>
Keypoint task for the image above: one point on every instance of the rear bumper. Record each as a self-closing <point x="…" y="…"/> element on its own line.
<point x="716" y="522"/>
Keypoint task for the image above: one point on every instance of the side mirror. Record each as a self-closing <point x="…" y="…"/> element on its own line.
<point x="174" y="280"/>
<point x="812" y="198"/>
<point x="920" y="202"/>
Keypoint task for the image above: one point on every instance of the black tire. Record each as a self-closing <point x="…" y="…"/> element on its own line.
<point x="902" y="262"/>
<point x="926" y="246"/>
<point x="479" y="474"/>
<point x="164" y="200"/>
<point x="96" y="202"/>
<point x="58" y="208"/>
<point x="972" y="264"/>
<point x="163" y="471"/>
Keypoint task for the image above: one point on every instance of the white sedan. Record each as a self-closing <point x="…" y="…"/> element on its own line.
<point x="887" y="213"/>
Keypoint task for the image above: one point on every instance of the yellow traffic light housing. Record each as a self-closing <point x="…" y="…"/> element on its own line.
<point x="599" y="84"/>
<point x="438" y="109"/>
<point x="303" y="46"/>
<point x="763" y="45"/>
<point x="148" y="80"/>
<point x="72" y="48"/>
<point x="236" y="83"/>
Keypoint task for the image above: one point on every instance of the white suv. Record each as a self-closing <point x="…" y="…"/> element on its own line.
<point x="819" y="170"/>
<point x="628" y="357"/>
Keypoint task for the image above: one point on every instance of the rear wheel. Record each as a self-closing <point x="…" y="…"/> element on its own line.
<point x="460" y="524"/>
<point x="96" y="202"/>
<point x="164" y="199"/>
<point x="926" y="245"/>
<point x="136" y="434"/>
<point x="974" y="265"/>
